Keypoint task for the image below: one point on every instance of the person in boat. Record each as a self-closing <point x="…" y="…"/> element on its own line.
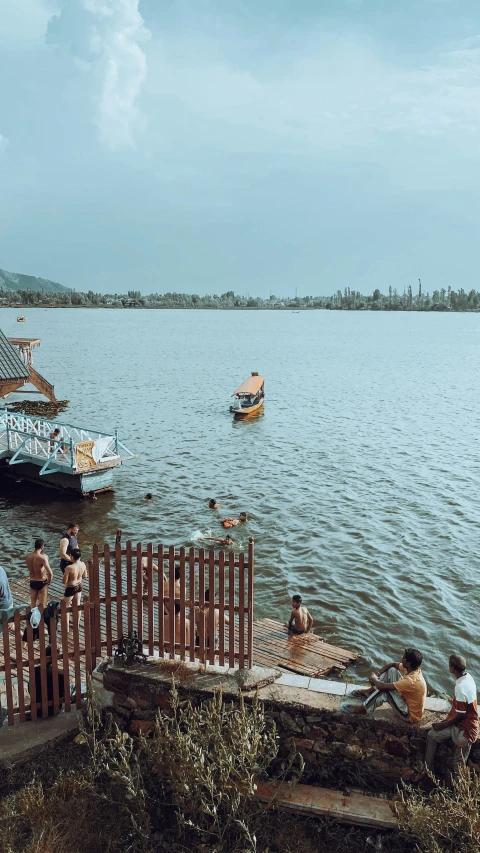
<point x="74" y="574"/>
<point x="212" y="504"/>
<point x="40" y="574"/>
<point x="300" y="621"/>
<point x="225" y="541"/>
<point x="233" y="522"/>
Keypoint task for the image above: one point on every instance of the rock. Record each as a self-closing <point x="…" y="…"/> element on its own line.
<point x="144" y="715"/>
<point x="394" y="746"/>
<point x="353" y="751"/>
<point x="418" y="744"/>
<point x="303" y="743"/>
<point x="314" y="718"/>
<point x="144" y="704"/>
<point x="319" y="732"/>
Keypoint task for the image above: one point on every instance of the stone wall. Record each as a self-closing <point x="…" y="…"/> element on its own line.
<point x="339" y="750"/>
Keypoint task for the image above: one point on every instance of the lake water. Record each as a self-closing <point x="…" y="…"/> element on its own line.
<point x="361" y="479"/>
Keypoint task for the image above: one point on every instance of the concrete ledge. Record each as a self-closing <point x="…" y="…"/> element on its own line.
<point x="23" y="741"/>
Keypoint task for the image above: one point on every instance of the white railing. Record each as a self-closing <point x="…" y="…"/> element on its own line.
<point x="22" y="435"/>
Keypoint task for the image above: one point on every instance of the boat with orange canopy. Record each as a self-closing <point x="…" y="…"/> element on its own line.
<point x="249" y="396"/>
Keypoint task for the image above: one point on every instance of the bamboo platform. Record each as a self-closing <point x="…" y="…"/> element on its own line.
<point x="305" y="655"/>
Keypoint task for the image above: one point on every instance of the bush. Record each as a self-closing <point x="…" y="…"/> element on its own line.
<point x="446" y="820"/>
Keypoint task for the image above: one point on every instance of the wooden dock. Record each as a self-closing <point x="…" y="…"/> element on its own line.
<point x="305" y="655"/>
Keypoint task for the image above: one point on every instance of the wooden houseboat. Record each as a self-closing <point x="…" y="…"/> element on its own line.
<point x="249" y="396"/>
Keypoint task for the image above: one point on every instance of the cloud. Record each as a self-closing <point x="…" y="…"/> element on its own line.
<point x="104" y="37"/>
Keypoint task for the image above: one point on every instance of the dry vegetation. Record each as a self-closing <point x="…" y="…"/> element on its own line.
<point x="190" y="786"/>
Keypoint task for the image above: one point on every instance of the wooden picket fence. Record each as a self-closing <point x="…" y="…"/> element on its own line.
<point x="129" y="589"/>
<point x="129" y="601"/>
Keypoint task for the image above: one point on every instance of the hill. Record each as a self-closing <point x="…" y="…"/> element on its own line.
<point x="18" y="281"/>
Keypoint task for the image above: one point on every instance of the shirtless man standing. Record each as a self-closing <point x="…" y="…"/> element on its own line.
<point x="40" y="574"/>
<point x="74" y="574"/>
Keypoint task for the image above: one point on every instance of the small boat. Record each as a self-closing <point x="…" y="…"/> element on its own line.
<point x="21" y="319"/>
<point x="249" y="396"/>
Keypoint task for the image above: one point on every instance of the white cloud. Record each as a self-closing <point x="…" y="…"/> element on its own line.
<point x="105" y="38"/>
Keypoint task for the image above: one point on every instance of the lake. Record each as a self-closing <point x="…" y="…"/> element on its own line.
<point x="360" y="479"/>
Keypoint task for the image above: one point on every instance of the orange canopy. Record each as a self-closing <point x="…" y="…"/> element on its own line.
<point x="251" y="386"/>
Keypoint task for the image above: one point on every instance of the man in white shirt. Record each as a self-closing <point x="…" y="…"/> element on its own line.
<point x="461" y="724"/>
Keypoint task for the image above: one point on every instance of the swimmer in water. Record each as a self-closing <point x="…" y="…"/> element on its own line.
<point x="233" y="522"/>
<point x="212" y="504"/>
<point x="223" y="540"/>
<point x="149" y="496"/>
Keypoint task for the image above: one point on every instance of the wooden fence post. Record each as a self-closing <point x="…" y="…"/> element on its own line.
<point x="251" y="578"/>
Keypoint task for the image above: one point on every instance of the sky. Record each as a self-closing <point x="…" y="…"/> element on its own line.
<point x="259" y="146"/>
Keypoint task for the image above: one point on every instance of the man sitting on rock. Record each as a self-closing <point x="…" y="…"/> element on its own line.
<point x="402" y="685"/>
<point x="461" y="724"/>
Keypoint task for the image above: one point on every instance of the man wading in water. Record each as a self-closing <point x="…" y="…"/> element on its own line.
<point x="40" y="574"/>
<point x="74" y="574"/>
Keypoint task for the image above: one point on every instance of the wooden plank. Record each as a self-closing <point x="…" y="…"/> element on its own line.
<point x="76" y="653"/>
<point x="43" y="667"/>
<point x="221" y="608"/>
<point x="65" y="656"/>
<point x="241" y="611"/>
<point x="231" y="609"/>
<point x="250" y="593"/>
<point x="108" y="601"/>
<point x="8" y="674"/>
<point x="161" y="605"/>
<point x="31" y="672"/>
<point x="129" y="579"/>
<point x="86" y="622"/>
<point x="139" y="587"/>
<point x="150" y="609"/>
<point x="182" y="603"/>
<point x="191" y="596"/>
<point x="54" y="655"/>
<point x="201" y="607"/>
<point x="171" y="601"/>
<point x="118" y="590"/>
<point x="19" y="659"/>
<point x="313" y="801"/>
<point x="211" y="608"/>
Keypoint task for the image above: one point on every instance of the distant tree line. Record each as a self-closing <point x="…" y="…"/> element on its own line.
<point x="348" y="300"/>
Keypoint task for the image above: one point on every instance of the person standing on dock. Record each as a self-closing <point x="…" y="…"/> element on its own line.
<point x="67" y="543"/>
<point x="40" y="573"/>
<point x="75" y="572"/>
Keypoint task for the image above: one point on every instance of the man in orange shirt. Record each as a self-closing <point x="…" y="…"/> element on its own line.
<point x="461" y="724"/>
<point x="402" y="685"/>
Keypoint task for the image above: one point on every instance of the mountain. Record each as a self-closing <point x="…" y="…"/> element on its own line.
<point x="17" y="281"/>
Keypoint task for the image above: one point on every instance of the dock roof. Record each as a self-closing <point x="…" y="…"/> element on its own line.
<point x="11" y="364"/>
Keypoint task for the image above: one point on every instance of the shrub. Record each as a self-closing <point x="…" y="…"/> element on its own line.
<point x="446" y="820"/>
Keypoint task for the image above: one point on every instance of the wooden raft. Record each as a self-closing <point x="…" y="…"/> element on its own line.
<point x="306" y="655"/>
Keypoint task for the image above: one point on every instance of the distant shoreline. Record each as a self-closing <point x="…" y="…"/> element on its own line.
<point x="302" y="308"/>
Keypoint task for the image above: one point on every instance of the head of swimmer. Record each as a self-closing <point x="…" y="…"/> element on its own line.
<point x="73" y="528"/>
<point x="243" y="516"/>
<point x="228" y="540"/>
<point x="76" y="553"/>
<point x="296" y="601"/>
<point x="212" y="503"/>
<point x="39" y="545"/>
<point x="149" y="496"/>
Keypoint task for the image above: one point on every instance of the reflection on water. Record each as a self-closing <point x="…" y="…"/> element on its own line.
<point x="360" y="475"/>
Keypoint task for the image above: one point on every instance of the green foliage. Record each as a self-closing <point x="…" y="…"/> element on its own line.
<point x="446" y="820"/>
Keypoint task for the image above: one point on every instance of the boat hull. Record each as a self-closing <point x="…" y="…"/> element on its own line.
<point x="243" y="413"/>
